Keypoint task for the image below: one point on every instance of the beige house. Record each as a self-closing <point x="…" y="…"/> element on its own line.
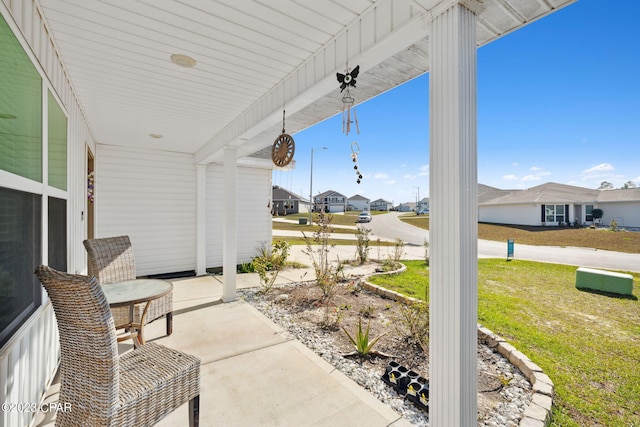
<point x="553" y="204"/>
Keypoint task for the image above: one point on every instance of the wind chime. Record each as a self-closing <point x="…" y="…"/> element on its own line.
<point x="283" y="148"/>
<point x="355" y="150"/>
<point x="346" y="81"/>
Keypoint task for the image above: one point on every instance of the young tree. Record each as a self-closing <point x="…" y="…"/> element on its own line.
<point x="597" y="213"/>
<point x="629" y="184"/>
<point x="605" y="185"/>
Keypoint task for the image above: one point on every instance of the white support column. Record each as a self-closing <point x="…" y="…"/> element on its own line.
<point x="230" y="225"/>
<point x="201" y="220"/>
<point x="453" y="231"/>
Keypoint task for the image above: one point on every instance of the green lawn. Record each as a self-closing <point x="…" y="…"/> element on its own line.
<point x="588" y="343"/>
<point x="348" y="218"/>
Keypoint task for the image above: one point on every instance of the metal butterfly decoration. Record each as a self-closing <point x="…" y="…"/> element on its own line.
<point x="348" y="79"/>
<point x="348" y="102"/>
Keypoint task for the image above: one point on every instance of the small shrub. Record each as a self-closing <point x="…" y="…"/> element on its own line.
<point x="367" y="311"/>
<point x="326" y="272"/>
<point x="613" y="225"/>
<point x="398" y="250"/>
<point x="389" y="264"/>
<point x="333" y="322"/>
<point x="246" y="267"/>
<point x="414" y="323"/>
<point x="269" y="263"/>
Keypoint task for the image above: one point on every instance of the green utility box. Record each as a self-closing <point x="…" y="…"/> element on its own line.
<point x="607" y="281"/>
<point x="302" y="221"/>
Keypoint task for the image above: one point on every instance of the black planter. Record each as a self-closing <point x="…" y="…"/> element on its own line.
<point x="418" y="393"/>
<point x="405" y="380"/>
<point x="408" y="383"/>
<point x="394" y="374"/>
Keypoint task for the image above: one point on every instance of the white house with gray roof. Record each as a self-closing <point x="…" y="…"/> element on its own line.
<point x="553" y="204"/>
<point x="358" y="203"/>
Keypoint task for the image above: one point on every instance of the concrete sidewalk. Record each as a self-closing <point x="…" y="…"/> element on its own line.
<point x="251" y="372"/>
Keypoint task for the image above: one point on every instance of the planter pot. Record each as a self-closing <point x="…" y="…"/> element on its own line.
<point x="418" y="393"/>
<point x="414" y="388"/>
<point x="394" y="374"/>
<point x="423" y="397"/>
<point x="405" y="380"/>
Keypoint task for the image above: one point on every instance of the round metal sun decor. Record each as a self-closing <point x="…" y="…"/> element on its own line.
<point x="282" y="150"/>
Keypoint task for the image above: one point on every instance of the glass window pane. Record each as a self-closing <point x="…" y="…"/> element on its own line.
<point x="20" y="109"/>
<point x="589" y="213"/>
<point x="58" y="233"/>
<point x="550" y="213"/>
<point x="20" y="237"/>
<point x="57" y="145"/>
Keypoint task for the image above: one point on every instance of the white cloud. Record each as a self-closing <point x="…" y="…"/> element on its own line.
<point x="393" y="181"/>
<point x="424" y="171"/>
<point x="380" y="175"/>
<point x="535" y="169"/>
<point x="531" y="178"/>
<point x="602" y="167"/>
<point x="515" y="164"/>
<point x="510" y="178"/>
<point x="409" y="176"/>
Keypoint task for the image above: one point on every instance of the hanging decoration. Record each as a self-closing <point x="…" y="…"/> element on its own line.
<point x="347" y="81"/>
<point x="91" y="179"/>
<point x="283" y="148"/>
<point x="355" y="150"/>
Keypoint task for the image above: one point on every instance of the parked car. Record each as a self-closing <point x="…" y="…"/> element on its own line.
<point x="423" y="211"/>
<point x="364" y="217"/>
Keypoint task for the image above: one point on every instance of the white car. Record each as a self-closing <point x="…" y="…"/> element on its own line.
<point x="423" y="211"/>
<point x="364" y="217"/>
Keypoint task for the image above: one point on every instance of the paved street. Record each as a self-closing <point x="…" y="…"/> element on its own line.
<point x="388" y="227"/>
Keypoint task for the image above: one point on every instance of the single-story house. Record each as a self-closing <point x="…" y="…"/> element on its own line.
<point x="330" y="201"/>
<point x="158" y="122"/>
<point x="358" y="203"/>
<point x="285" y="202"/>
<point x="553" y="204"/>
<point x="381" y="205"/>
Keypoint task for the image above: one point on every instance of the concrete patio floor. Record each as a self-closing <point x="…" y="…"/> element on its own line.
<point x="251" y="374"/>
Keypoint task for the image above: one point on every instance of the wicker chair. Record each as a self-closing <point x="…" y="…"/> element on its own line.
<point x="138" y="388"/>
<point x="111" y="260"/>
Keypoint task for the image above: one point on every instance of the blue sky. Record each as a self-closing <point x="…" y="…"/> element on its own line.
<point x="558" y="101"/>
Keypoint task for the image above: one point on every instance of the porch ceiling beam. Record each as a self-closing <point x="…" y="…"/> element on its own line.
<point x="387" y="26"/>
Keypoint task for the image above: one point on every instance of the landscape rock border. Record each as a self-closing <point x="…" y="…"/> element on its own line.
<point x="538" y="412"/>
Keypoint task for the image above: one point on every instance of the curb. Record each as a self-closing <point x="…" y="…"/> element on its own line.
<point x="538" y="412"/>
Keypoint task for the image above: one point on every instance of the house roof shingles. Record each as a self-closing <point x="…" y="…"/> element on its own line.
<point x="552" y="192"/>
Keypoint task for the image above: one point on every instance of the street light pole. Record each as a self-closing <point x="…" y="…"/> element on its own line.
<point x="311" y="204"/>
<point x="418" y="199"/>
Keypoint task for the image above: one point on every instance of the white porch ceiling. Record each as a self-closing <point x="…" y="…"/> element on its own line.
<point x="254" y="57"/>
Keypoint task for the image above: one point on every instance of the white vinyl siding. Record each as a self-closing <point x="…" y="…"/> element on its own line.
<point x="29" y="359"/>
<point x="149" y="195"/>
<point x="626" y="214"/>
<point x="510" y="214"/>
<point x="254" y="217"/>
